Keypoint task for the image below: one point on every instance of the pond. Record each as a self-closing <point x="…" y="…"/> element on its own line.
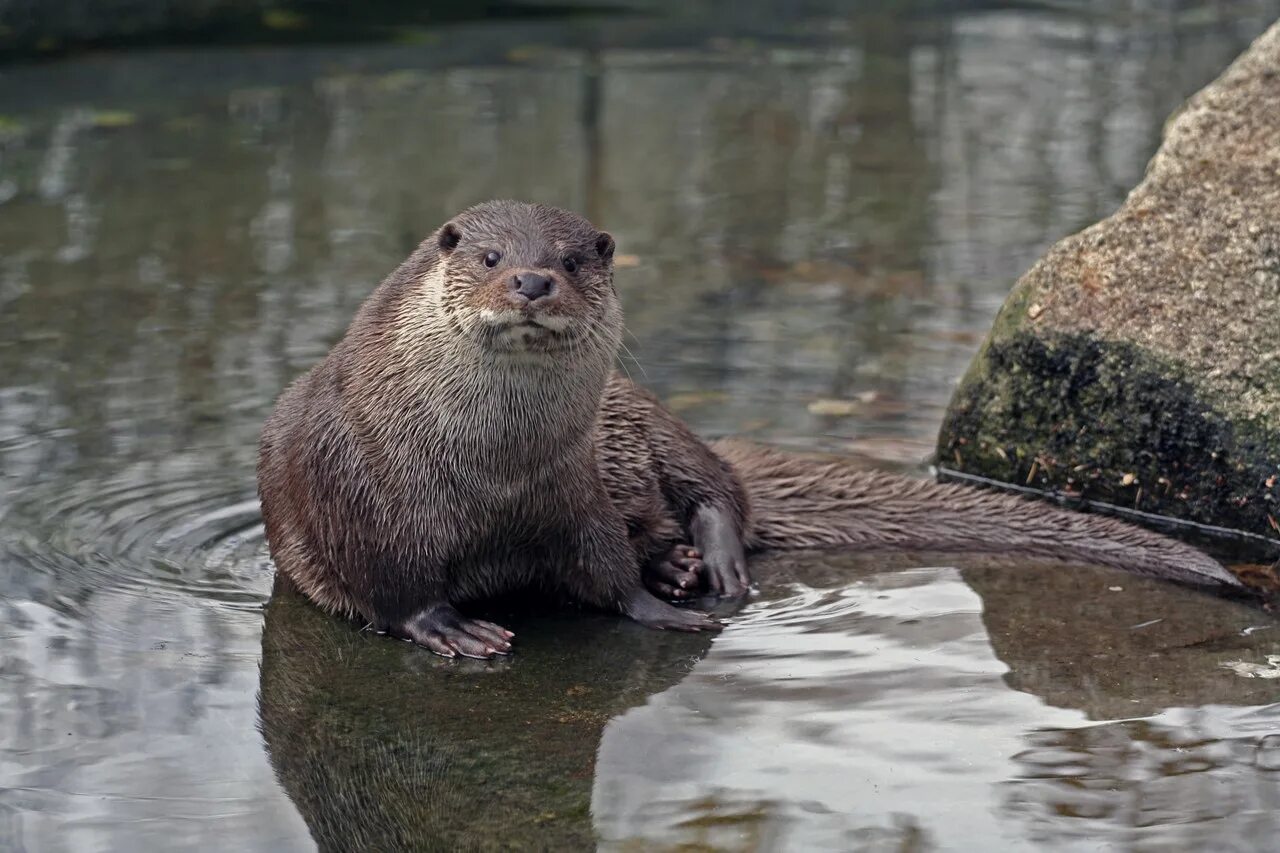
<point x="818" y="213"/>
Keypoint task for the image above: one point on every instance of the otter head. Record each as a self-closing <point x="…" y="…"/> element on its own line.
<point x="529" y="279"/>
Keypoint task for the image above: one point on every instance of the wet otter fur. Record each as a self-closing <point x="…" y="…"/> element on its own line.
<point x="468" y="438"/>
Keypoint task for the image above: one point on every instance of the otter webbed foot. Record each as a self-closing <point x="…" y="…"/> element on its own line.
<point x="652" y="613"/>
<point x="445" y="631"/>
<point x="723" y="556"/>
<point x="675" y="574"/>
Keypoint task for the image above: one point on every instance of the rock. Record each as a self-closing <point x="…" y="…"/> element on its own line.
<point x="1138" y="363"/>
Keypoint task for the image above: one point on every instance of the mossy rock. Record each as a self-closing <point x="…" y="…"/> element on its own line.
<point x="1137" y="365"/>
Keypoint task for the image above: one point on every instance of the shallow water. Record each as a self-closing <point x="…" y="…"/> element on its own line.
<point x="817" y="213"/>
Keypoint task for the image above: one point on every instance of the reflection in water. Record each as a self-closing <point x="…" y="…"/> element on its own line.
<point x="119" y="691"/>
<point x="384" y="747"/>
<point x="876" y="716"/>
<point x="787" y="745"/>
<point x="817" y="216"/>
<point x="1190" y="779"/>
<point x="1123" y="647"/>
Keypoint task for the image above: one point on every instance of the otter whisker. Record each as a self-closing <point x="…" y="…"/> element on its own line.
<point x="623" y="345"/>
<point x="623" y="365"/>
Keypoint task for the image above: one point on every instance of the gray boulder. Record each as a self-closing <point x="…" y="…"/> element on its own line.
<point x="1137" y="365"/>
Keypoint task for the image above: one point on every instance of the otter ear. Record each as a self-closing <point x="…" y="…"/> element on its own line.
<point x="604" y="245"/>
<point x="450" y="236"/>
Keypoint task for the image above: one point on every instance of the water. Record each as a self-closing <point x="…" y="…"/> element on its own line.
<point x="818" y="213"/>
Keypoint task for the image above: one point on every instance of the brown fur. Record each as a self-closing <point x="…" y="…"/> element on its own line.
<point x="462" y="442"/>
<point x="815" y="502"/>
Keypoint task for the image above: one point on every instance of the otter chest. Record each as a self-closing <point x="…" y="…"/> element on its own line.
<point x="494" y="507"/>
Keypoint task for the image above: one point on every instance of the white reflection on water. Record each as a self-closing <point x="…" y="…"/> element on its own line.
<point x="878" y="714"/>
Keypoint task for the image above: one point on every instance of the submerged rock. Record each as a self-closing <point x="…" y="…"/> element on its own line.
<point x="1138" y="363"/>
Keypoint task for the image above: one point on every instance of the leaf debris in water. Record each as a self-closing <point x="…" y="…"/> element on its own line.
<point x="113" y="118"/>
<point x="836" y="408"/>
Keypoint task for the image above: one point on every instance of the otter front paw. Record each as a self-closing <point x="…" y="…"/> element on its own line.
<point x="675" y="574"/>
<point x="445" y="631"/>
<point x="652" y="613"/>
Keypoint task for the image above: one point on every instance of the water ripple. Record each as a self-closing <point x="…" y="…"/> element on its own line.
<point x="175" y="533"/>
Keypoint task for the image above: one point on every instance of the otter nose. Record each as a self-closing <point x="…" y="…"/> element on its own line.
<point x="531" y="285"/>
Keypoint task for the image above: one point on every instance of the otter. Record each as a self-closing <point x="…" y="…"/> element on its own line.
<point x="468" y="437"/>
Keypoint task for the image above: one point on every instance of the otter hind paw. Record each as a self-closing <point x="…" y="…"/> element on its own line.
<point x="723" y="554"/>
<point x="652" y="613"/>
<point x="675" y="575"/>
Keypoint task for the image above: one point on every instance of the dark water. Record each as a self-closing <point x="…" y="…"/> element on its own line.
<point x="818" y="214"/>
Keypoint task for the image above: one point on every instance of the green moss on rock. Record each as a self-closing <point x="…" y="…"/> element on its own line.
<point x="1110" y="422"/>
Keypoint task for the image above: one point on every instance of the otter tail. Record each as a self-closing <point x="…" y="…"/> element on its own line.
<point x="802" y="501"/>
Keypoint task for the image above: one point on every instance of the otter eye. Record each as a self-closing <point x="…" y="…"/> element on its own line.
<point x="570" y="264"/>
<point x="491" y="259"/>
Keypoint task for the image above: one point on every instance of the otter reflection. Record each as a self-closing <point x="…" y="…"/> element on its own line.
<point x="850" y="685"/>
<point x="383" y="746"/>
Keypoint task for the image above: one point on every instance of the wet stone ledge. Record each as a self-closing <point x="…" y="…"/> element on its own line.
<point x="1138" y="363"/>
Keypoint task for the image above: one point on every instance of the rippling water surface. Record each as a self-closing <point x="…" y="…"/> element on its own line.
<point x="818" y="213"/>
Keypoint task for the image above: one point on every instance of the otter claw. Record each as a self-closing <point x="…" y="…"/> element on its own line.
<point x="445" y="631"/>
<point x="673" y="574"/>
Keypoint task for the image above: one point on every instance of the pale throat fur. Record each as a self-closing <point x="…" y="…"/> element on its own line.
<point x="463" y="392"/>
